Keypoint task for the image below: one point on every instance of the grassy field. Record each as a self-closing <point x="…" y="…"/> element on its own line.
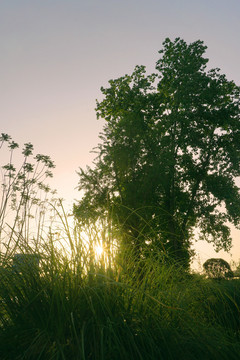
<point x="69" y="307"/>
<point x="66" y="300"/>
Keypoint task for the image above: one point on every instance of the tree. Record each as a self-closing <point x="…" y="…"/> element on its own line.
<point x="169" y="154"/>
<point x="217" y="269"/>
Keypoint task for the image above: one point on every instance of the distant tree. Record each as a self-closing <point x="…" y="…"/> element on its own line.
<point x="169" y="156"/>
<point x="217" y="269"/>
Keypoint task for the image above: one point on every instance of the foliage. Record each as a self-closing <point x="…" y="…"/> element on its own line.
<point x="59" y="311"/>
<point x="169" y="154"/>
<point x="59" y="300"/>
<point x="217" y="268"/>
<point x="24" y="193"/>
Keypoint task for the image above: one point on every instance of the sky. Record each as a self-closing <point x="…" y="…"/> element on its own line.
<point x="56" y="54"/>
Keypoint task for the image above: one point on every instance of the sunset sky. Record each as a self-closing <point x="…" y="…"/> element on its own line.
<point x="56" y="54"/>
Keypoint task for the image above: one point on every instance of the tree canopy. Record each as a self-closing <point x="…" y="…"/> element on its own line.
<point x="217" y="269"/>
<point x="169" y="154"/>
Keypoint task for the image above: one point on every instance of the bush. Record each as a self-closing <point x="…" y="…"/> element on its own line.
<point x="217" y="269"/>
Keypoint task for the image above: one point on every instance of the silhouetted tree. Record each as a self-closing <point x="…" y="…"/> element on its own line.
<point x="217" y="269"/>
<point x="169" y="155"/>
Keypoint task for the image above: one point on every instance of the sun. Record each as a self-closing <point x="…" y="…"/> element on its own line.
<point x="98" y="250"/>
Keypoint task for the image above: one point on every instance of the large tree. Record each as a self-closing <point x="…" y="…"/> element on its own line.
<point x="169" y="154"/>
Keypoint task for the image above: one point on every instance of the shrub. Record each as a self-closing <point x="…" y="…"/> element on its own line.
<point x="217" y="269"/>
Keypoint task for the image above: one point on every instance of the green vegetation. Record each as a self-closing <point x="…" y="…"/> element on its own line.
<point x="218" y="269"/>
<point x="169" y="155"/>
<point x="168" y="160"/>
<point x="59" y="300"/>
<point x="68" y="309"/>
<point x="24" y="195"/>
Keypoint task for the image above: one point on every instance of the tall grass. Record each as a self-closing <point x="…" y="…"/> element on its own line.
<point x="71" y="307"/>
<point x="78" y="305"/>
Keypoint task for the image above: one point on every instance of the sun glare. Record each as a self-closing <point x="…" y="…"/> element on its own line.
<point x="98" y="250"/>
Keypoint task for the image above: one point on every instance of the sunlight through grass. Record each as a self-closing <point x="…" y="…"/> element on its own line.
<point x="78" y="292"/>
<point x="98" y="250"/>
